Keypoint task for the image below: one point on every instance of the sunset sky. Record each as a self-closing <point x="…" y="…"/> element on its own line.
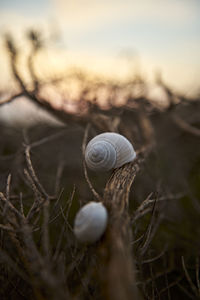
<point x="113" y="36"/>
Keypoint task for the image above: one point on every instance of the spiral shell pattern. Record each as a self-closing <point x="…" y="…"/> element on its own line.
<point x="108" y="151"/>
<point x="90" y="222"/>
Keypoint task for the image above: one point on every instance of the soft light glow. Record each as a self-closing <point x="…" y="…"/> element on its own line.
<point x="112" y="38"/>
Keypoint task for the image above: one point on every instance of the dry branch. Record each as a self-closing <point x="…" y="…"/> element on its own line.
<point x="185" y="126"/>
<point x="96" y="195"/>
<point x="10" y="99"/>
<point x="45" y="284"/>
<point x="117" y="269"/>
<point x="187" y="275"/>
<point x="99" y="120"/>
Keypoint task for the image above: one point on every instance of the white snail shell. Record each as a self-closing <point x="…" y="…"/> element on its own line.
<point x="90" y="222"/>
<point x="108" y="151"/>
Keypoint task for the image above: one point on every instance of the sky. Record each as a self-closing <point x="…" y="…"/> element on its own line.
<point x="115" y="36"/>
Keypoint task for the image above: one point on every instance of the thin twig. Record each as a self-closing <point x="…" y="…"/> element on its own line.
<point x="31" y="68"/>
<point x="70" y="202"/>
<point x="158" y="275"/>
<point x="48" y="139"/>
<point x="153" y="285"/>
<point x="45" y="230"/>
<point x="63" y="227"/>
<point x="64" y="217"/>
<point x="21" y="203"/>
<point x="58" y="244"/>
<point x="10" y="99"/>
<point x="197" y="274"/>
<point x="55" y="204"/>
<point x="4" y="257"/>
<point x="185" y="126"/>
<point x="11" y="207"/>
<point x="181" y="287"/>
<point x="37" y="199"/>
<point x="7" y="228"/>
<point x="96" y="195"/>
<point x="142" y="207"/>
<point x="150" y="260"/>
<point x="7" y="194"/>
<point x="166" y="279"/>
<point x="59" y="172"/>
<point x="193" y="287"/>
<point x="148" y="233"/>
<point x="146" y="206"/>
<point x="32" y="172"/>
<point x="8" y="187"/>
<point x="138" y="240"/>
<point x="175" y="282"/>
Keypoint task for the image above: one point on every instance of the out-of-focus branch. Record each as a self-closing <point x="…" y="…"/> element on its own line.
<point x="166" y="89"/>
<point x="96" y="195"/>
<point x="185" y="126"/>
<point x="11" y="99"/>
<point x="42" y="103"/>
<point x="98" y="120"/>
<point x="36" y="44"/>
<point x="146" y="206"/>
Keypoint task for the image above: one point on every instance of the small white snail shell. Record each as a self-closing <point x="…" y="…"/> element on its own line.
<point x="108" y="151"/>
<point x="90" y="222"/>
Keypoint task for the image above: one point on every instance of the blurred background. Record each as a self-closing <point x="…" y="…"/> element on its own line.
<point x="112" y="38"/>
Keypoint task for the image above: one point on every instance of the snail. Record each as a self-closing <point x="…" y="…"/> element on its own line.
<point x="108" y="151"/>
<point x="90" y="222"/>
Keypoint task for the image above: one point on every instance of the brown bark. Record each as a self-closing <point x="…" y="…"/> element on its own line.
<point x="117" y="268"/>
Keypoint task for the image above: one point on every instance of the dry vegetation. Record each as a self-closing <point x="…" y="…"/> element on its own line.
<point x="151" y="247"/>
